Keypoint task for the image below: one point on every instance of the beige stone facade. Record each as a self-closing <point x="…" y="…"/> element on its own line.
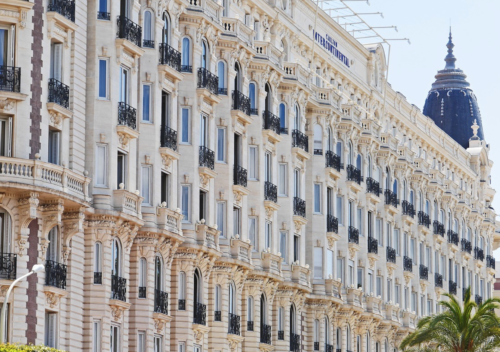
<point x="213" y="176"/>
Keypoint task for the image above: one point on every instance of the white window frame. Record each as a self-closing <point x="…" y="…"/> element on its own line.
<point x="283" y="248"/>
<point x="186" y="208"/>
<point x="221" y="218"/>
<point x="141" y="341"/>
<point x="283" y="179"/>
<point x="115" y="329"/>
<point x="106" y="79"/>
<point x="51" y="337"/>
<point x="96" y="336"/>
<point x="182" y="141"/>
<point x="104" y="166"/>
<point x="255" y="165"/>
<point x="147" y="201"/>
<point x="254" y="242"/>
<point x="317" y="198"/>
<point x="318" y="262"/>
<point x="150" y="112"/>
<point x="222" y="130"/>
<point x="268" y="235"/>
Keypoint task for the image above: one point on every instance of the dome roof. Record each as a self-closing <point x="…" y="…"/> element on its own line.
<point x="452" y="104"/>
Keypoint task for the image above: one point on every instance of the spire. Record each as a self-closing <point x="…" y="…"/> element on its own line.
<point x="450" y="58"/>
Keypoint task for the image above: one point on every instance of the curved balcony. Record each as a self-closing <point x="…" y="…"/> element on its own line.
<point x="270" y="192"/>
<point x="408" y="209"/>
<point x="354" y="174"/>
<point x="372" y="245"/>
<point x="424" y="272"/>
<point x="300" y="140"/>
<point x="407" y="264"/>
<point x="391" y="255"/>
<point x="332" y="224"/>
<point x="161" y="302"/>
<point x="391" y="198"/>
<point x="372" y="186"/>
<point x="129" y="30"/>
<point x="438" y="228"/>
<point x="299" y="207"/>
<point x="200" y="314"/>
<point x="353" y="235"/>
<point x="233" y="324"/>
<point x="207" y="80"/>
<point x="118" y="288"/>
<point x="438" y="280"/>
<point x="423" y="219"/>
<point x="55" y="274"/>
<point x="453" y="237"/>
<point x="333" y="160"/>
<point x="466" y="246"/>
<point x="265" y="334"/>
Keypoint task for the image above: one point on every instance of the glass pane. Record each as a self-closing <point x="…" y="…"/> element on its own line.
<point x="102" y="78"/>
<point x="146" y="100"/>
<point x="185" y="125"/>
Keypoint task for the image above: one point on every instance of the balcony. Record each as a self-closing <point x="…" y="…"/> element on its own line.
<point x="10" y="79"/>
<point x="142" y="292"/>
<point x="200" y="314"/>
<point x="407" y="264"/>
<point x="281" y="335"/>
<point x="332" y="224"/>
<point x="299" y="207"/>
<point x="206" y="158"/>
<point x="170" y="57"/>
<point x="452" y="237"/>
<point x="300" y="140"/>
<point x="186" y="69"/>
<point x="271" y="126"/>
<point x="452" y="287"/>
<point x="101" y="15"/>
<point x="207" y="80"/>
<point x="168" y="138"/>
<point x="265" y="334"/>
<point x="316" y="346"/>
<point x="354" y="174"/>
<point x="479" y="300"/>
<point x="294" y="342"/>
<point x="438" y="228"/>
<point x="490" y="262"/>
<point x="424" y="272"/>
<point x="58" y="93"/>
<point x="249" y="325"/>
<point x="55" y="274"/>
<point x="423" y="219"/>
<point x="233" y="324"/>
<point x="478" y="254"/>
<point x="328" y="348"/>
<point x="147" y="43"/>
<point x="353" y="235"/>
<point x="241" y="102"/>
<point x="438" y="280"/>
<point x="65" y="8"/>
<point x="161" y="302"/>
<point x="391" y="255"/>
<point x="97" y="278"/>
<point x="240" y="176"/>
<point x="270" y="192"/>
<point x="127" y="116"/>
<point x="466" y="246"/>
<point x="8" y="266"/>
<point x="318" y="151"/>
<point x="372" y="245"/>
<point x="372" y="186"/>
<point x="408" y="209"/>
<point x="129" y="30"/>
<point x="217" y="315"/>
<point x="181" y="304"/>
<point x="118" y="288"/>
<point x="391" y="198"/>
<point x="332" y="160"/>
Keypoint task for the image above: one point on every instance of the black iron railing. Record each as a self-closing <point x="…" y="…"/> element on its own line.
<point x="200" y="314"/>
<point x="424" y="272"/>
<point x="423" y="219"/>
<point x="118" y="288"/>
<point x="168" y="138"/>
<point x="249" y="325"/>
<point x="338" y="350"/>
<point x="181" y="304"/>
<point x="478" y="253"/>
<point x="438" y="228"/>
<point x="438" y="280"/>
<point x="354" y="174"/>
<point x="408" y="208"/>
<point x="129" y="30"/>
<point x="97" y="278"/>
<point x="127" y="115"/>
<point x="372" y="245"/>
<point x="316" y="346"/>
<point x="55" y="274"/>
<point x="208" y="80"/>
<point x="453" y="237"/>
<point x="391" y="198"/>
<point x="58" y="93"/>
<point x="332" y="224"/>
<point x="391" y="255"/>
<point x="294" y="342"/>
<point x="353" y="235"/>
<point x="147" y="43"/>
<point x="8" y="266"/>
<point x="169" y="56"/>
<point x="333" y="160"/>
<point x="407" y="264"/>
<point x="318" y="151"/>
<point x="186" y="68"/>
<point x="10" y="79"/>
<point x="241" y="102"/>
<point x="270" y="192"/>
<point x="479" y="300"/>
<point x="452" y="287"/>
<point x="234" y="324"/>
<point x="161" y="302"/>
<point x="101" y="15"/>
<point x="265" y="334"/>
<point x="300" y="140"/>
<point x="328" y="348"/>
<point x="206" y="157"/>
<point x="283" y="130"/>
<point x="299" y="207"/>
<point x="466" y="246"/>
<point x="490" y="262"/>
<point x="372" y="186"/>
<point x="222" y="91"/>
<point x="240" y="176"/>
<point x="281" y="335"/>
<point x="217" y="315"/>
<point x="271" y="122"/>
<point x="254" y="111"/>
<point x="142" y="292"/>
<point x="65" y="8"/>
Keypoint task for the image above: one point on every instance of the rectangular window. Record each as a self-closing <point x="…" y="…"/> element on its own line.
<point x="158" y="344"/>
<point x="318" y="262"/>
<point x="202" y="210"/>
<point x="340" y="269"/>
<point x="103" y="8"/>
<point x="221" y="218"/>
<point x="185" y="126"/>
<point x="56" y="57"/>
<point x="317" y="198"/>
<point x="378" y="231"/>
<point x="221" y="145"/>
<point x="182" y="347"/>
<point x="165" y="188"/>
<point x="6" y="136"/>
<point x="96" y="342"/>
<point x="296" y="247"/>
<point x="340" y="212"/>
<point x="360" y="220"/>
<point x="283" y="246"/>
<point x="282" y="182"/>
<point x="269" y="234"/>
<point x="101" y="165"/>
<point x="197" y="348"/>
<point x="397" y="293"/>
<point x="369" y="221"/>
<point x="253" y="159"/>
<point x="124" y="77"/>
<point x="120" y="170"/>
<point x="351" y="272"/>
<point x="141" y="341"/>
<point x="268" y="167"/>
<point x="379" y="286"/>
<point x="329" y="264"/>
<point x="252" y="232"/>
<point x="396" y="242"/>
<point x="429" y="307"/>
<point x="114" y="339"/>
<point x="414" y="302"/>
<point x="54" y="147"/>
<point x="236" y="221"/>
<point x="165" y="110"/>
<point x="103" y="79"/>
<point x="185" y="194"/>
<point x="370" y="282"/>
<point x="146" y="103"/>
<point x="51" y="330"/>
<point x="146" y="184"/>
<point x="360" y="278"/>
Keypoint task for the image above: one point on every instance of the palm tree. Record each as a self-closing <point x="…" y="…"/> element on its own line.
<point x="460" y="328"/>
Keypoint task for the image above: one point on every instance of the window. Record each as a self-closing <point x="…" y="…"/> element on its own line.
<point x="221" y="145"/>
<point x="379" y="286"/>
<point x="120" y="170"/>
<point x="114" y="339"/>
<point x="281" y="320"/>
<point x="204" y="54"/>
<point x="329" y="263"/>
<point x="51" y="330"/>
<point x="54" y="147"/>
<point x="340" y="269"/>
<point x="103" y="79"/>
<point x="53" y="247"/>
<point x="124" y="78"/>
<point x="221" y="71"/>
<point x="389" y="290"/>
<point x="148" y="30"/>
<point x="318" y="262"/>
<point x="282" y="116"/>
<point x="360" y="278"/>
<point x="182" y="347"/>
<point x="186" y="56"/>
<point x="218" y="301"/>
<point x="268" y="235"/>
<point x="250" y="308"/>
<point x="252" y="231"/>
<point x="202" y="211"/>
<point x="97" y="259"/>
<point x="185" y="125"/>
<point x="221" y="214"/>
<point x="340" y="210"/>
<point x="116" y="258"/>
<point x="283" y="246"/>
<point x="379" y="231"/>
<point x="350" y="272"/>
<point x="317" y="198"/>
<point x="253" y="161"/>
<point x="360" y="221"/>
<point x="316" y="331"/>
<point x="143" y="277"/>
<point x="396" y="241"/>
<point x="370" y="282"/>
<point x="252" y="90"/>
<point x="397" y="293"/>
<point x="103" y="10"/>
<point x="96" y="341"/>
<point x="282" y="182"/>
<point x="225" y="8"/>
<point x="185" y="193"/>
<point x="296" y="183"/>
<point x="318" y="140"/>
<point x="146" y="185"/>
<point x="165" y="188"/>
<point x="101" y="165"/>
<point x="141" y="341"/>
<point x="56" y="57"/>
<point x="268" y="167"/>
<point x="296" y="247"/>
<point x="158" y="344"/>
<point x="256" y="27"/>
<point x="236" y="221"/>
<point x="146" y="102"/>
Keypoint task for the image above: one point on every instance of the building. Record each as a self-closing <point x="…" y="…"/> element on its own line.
<point x="228" y="176"/>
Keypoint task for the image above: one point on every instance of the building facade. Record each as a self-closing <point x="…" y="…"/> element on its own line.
<point x="227" y="176"/>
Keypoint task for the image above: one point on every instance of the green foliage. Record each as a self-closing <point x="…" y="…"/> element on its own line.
<point x="28" y="348"/>
<point x="463" y="327"/>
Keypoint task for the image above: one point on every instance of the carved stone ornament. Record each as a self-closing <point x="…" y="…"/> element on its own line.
<point x="116" y="312"/>
<point x="6" y="104"/>
<point x="204" y="181"/>
<point x="159" y="325"/>
<point x="52" y="299"/>
<point x="352" y="252"/>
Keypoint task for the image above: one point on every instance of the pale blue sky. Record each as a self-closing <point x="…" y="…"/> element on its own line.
<point x="476" y="32"/>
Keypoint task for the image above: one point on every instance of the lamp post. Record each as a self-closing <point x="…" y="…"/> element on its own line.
<point x="36" y="268"/>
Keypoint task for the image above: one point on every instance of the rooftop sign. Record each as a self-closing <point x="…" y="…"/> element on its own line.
<point x="331" y="45"/>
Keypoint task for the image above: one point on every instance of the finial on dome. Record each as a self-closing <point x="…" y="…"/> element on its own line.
<point x="474" y="127"/>
<point x="450" y="58"/>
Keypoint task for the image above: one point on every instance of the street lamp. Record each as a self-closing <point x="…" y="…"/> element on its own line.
<point x="36" y="268"/>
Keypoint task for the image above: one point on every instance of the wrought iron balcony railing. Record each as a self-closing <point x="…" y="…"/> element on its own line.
<point x="265" y="334"/>
<point x="249" y="325"/>
<point x="181" y="304"/>
<point x="479" y="300"/>
<point x="372" y="186"/>
<point x="55" y="274"/>
<point x="168" y="138"/>
<point x="466" y="246"/>
<point x="407" y="264"/>
<point x="328" y="348"/>
<point x="424" y="272"/>
<point x="294" y="342"/>
<point x="222" y="91"/>
<point x="408" y="208"/>
<point x="300" y="140"/>
<point x="281" y="335"/>
<point x="478" y="253"/>
<point x="438" y="228"/>
<point x="200" y="314"/>
<point x="208" y="80"/>
<point x="423" y="219"/>
<point x="391" y="255"/>
<point x="217" y="315"/>
<point x="391" y="198"/>
<point x="58" y="93"/>
<point x="254" y="111"/>
<point x="353" y="235"/>
<point x="127" y="115"/>
<point x="316" y="346"/>
<point x="490" y="262"/>
<point x="241" y="102"/>
<point x="452" y="287"/>
<point x="65" y="8"/>
<point x="97" y="278"/>
<point x="129" y="30"/>
<point x="283" y="130"/>
<point x="8" y="266"/>
<point x="354" y="174"/>
<point x="118" y="288"/>
<point x="333" y="160"/>
<point x="186" y="68"/>
<point x="142" y="292"/>
<point x="271" y="122"/>
<point x="234" y="324"/>
<point x="147" y="43"/>
<point x="270" y="192"/>
<point x="103" y="15"/>
<point x="206" y="157"/>
<point x="438" y="280"/>
<point x="299" y="207"/>
<point x="372" y="245"/>
<point x="161" y="302"/>
<point x="453" y="237"/>
<point x="318" y="151"/>
<point x="10" y="79"/>
<point x="170" y="57"/>
<point x="332" y="224"/>
<point x="240" y="176"/>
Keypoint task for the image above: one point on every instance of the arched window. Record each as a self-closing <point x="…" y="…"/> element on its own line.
<point x="158" y="273"/>
<point x="404" y="190"/>
<point x="427" y="207"/>
<point x="166" y="28"/>
<point x="281" y="323"/>
<point x="148" y="30"/>
<point x="386" y="346"/>
<point x="348" y="337"/>
<point x="221" y="71"/>
<point x="329" y="145"/>
<point x="186" y="55"/>
<point x="252" y="92"/>
<point x="237" y="77"/>
<point x="358" y="343"/>
<point x="198" y="282"/>
<point x="204" y="54"/>
<point x="182" y="290"/>
<point x="411" y="197"/>
<point x="218" y="302"/>
<point x="296" y="120"/>
<point x="395" y="187"/>
<point x="250" y="312"/>
<point x="318" y="139"/>
<point x="327" y="331"/>
<point x="387" y="178"/>
<point x="350" y="156"/>
<point x="369" y="171"/>
<point x="263" y="311"/>
<point x="441" y="216"/>
<point x="282" y="115"/>
<point x="359" y="162"/>
<point x="116" y="258"/>
<point x="142" y="277"/>
<point x="232" y="298"/>
<point x="293" y="321"/>
<point x="53" y="247"/>
<point x="340" y="151"/>
<point x="469" y="232"/>
<point x="269" y="98"/>
<point x="97" y="263"/>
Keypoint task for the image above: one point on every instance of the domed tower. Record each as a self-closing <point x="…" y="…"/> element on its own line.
<point x="452" y="104"/>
